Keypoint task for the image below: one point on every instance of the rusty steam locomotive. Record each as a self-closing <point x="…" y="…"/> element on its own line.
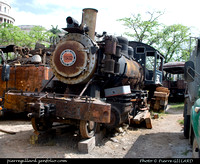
<point x="96" y="79"/>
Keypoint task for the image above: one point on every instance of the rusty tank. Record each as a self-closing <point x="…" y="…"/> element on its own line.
<point x="28" y="71"/>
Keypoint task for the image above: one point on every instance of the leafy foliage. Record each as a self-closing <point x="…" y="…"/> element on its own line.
<point x="144" y="30"/>
<point x="10" y="34"/>
<point x="54" y="39"/>
<point x="172" y="41"/>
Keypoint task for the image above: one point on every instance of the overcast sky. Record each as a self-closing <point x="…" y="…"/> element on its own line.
<point x="54" y="12"/>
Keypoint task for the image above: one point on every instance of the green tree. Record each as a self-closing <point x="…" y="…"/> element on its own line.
<point x="56" y="32"/>
<point x="40" y="34"/>
<point x="172" y="41"/>
<point x="11" y="34"/>
<point x="141" y="29"/>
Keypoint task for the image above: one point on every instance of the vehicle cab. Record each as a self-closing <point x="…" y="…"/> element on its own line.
<point x="195" y="127"/>
<point x="192" y="121"/>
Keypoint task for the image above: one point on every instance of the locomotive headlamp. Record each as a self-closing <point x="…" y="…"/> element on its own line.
<point x="71" y="22"/>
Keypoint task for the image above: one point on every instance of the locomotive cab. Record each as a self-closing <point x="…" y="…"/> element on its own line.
<point x="154" y="67"/>
<point x="152" y="62"/>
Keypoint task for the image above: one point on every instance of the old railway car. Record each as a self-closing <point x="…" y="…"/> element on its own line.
<point x="102" y="79"/>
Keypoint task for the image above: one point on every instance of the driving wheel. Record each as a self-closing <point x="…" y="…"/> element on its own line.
<point x="87" y="128"/>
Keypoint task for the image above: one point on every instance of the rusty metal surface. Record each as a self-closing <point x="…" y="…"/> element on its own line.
<point x="16" y="49"/>
<point x="110" y="45"/>
<point x="89" y="19"/>
<point x="83" y="67"/>
<point x="133" y="71"/>
<point x="80" y="63"/>
<point x="15" y="103"/>
<point x="174" y="67"/>
<point x="26" y="78"/>
<point x="181" y="84"/>
<point x="72" y="108"/>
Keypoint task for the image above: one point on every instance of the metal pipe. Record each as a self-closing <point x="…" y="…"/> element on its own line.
<point x="89" y="19"/>
<point x="86" y="86"/>
<point x="47" y="83"/>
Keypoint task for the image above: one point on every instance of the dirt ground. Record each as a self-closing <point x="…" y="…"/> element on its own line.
<point x="164" y="140"/>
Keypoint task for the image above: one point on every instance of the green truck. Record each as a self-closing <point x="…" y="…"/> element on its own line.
<point x="192" y="100"/>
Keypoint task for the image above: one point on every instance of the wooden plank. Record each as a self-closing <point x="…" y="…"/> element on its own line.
<point x="160" y="94"/>
<point x="133" y="100"/>
<point x="8" y="132"/>
<point x="148" y="123"/>
<point x="156" y="105"/>
<point x="162" y="98"/>
<point x="86" y="145"/>
<point x="147" y="115"/>
<point x="142" y="116"/>
<point x="138" y="118"/>
<point x="162" y="89"/>
<point x="147" y="118"/>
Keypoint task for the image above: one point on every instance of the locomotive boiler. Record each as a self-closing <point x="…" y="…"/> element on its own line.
<point x="78" y="57"/>
<point x="99" y="79"/>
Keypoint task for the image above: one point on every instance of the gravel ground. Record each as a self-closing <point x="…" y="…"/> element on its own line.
<point x="164" y="140"/>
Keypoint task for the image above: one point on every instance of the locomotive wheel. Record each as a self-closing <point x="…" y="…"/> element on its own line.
<point x="87" y="128"/>
<point x="115" y="118"/>
<point x="41" y="124"/>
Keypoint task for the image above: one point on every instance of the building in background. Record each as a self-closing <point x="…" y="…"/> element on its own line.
<point x="5" y="16"/>
<point x="26" y="28"/>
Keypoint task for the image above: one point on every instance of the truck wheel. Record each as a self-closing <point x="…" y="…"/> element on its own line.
<point x="195" y="149"/>
<point x="186" y="122"/>
<point x="87" y="128"/>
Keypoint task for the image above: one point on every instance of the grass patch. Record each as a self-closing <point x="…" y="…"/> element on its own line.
<point x="177" y="106"/>
<point x="181" y="122"/>
<point x="160" y="114"/>
<point x="163" y="113"/>
<point x="185" y="152"/>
